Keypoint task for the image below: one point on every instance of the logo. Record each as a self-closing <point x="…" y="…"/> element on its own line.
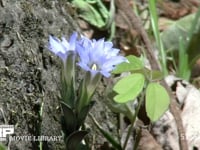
<point x="6" y="130"/>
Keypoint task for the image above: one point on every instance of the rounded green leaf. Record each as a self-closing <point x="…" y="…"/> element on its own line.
<point x="134" y="64"/>
<point x="157" y="101"/>
<point x="129" y="88"/>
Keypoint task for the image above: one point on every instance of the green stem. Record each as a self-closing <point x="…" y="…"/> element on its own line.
<point x="41" y="113"/>
<point x="137" y="139"/>
<point x="154" y="23"/>
<point x="132" y="123"/>
<point x="106" y="134"/>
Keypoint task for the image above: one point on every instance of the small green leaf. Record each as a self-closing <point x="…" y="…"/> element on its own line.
<point x="153" y="74"/>
<point x="2" y="147"/>
<point x="129" y="88"/>
<point x="84" y="112"/>
<point x="89" y="12"/>
<point x="177" y="29"/>
<point x="119" y="107"/>
<point x="107" y="135"/>
<point x="157" y="101"/>
<point x="70" y="118"/>
<point x="134" y="64"/>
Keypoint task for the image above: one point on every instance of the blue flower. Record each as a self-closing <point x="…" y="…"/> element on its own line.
<point x="98" y="56"/>
<point x="61" y="48"/>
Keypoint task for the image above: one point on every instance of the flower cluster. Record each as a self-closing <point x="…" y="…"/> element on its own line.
<point x="95" y="56"/>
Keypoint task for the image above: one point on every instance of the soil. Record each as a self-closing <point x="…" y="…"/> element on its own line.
<point x="29" y="73"/>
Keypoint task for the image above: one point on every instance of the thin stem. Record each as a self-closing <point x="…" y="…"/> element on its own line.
<point x="137" y="140"/>
<point x="154" y="23"/>
<point x="106" y="134"/>
<point x="41" y="115"/>
<point x="132" y="123"/>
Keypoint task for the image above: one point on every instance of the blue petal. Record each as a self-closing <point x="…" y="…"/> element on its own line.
<point x="85" y="42"/>
<point x="113" y="52"/>
<point x="83" y="53"/>
<point x="72" y="41"/>
<point x="105" y="74"/>
<point x="63" y="56"/>
<point x="108" y="46"/>
<point x="55" y="45"/>
<point x="84" y="66"/>
<point x="99" y="46"/>
<point x="113" y="62"/>
<point x="65" y="44"/>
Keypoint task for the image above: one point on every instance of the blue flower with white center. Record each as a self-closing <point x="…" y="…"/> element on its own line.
<point x="98" y="56"/>
<point x="61" y="48"/>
